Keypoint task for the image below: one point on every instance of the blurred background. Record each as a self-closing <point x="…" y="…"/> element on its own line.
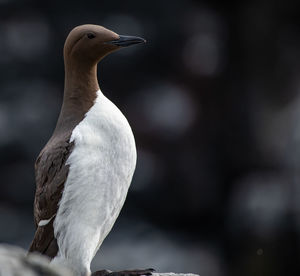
<point x="214" y="101"/>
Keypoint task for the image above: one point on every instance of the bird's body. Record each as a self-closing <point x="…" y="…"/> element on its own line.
<point x="101" y="167"/>
<point x="84" y="171"/>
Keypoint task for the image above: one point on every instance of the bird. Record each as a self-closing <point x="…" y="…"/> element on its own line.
<point x="84" y="171"/>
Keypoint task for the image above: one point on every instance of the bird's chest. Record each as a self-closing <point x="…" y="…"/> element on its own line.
<point x="104" y="147"/>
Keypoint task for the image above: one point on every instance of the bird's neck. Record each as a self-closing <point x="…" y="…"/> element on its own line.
<point x="80" y="92"/>
<point x="81" y="83"/>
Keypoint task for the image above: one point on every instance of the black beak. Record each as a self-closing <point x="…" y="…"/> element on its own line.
<point x="125" y="41"/>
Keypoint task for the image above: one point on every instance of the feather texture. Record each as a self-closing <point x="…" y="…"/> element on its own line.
<point x="101" y="167"/>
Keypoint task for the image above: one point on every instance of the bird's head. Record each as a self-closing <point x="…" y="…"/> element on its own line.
<point x="90" y="43"/>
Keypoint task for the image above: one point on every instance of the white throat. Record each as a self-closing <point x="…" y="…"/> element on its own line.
<point x="101" y="164"/>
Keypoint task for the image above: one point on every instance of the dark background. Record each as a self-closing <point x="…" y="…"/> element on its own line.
<point x="214" y="101"/>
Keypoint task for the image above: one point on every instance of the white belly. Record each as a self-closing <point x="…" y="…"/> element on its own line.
<point x="101" y="168"/>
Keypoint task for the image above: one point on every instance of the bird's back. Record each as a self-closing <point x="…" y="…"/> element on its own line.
<point x="51" y="173"/>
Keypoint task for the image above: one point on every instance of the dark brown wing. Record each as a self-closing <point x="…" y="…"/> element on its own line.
<point x="51" y="173"/>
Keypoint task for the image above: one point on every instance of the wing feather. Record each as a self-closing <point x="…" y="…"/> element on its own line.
<point x="51" y="173"/>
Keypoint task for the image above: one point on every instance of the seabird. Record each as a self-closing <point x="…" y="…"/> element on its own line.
<point x="84" y="171"/>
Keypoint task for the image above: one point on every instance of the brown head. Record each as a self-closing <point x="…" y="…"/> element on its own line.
<point x="88" y="44"/>
<point x="85" y="46"/>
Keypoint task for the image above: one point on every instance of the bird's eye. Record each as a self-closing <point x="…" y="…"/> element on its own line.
<point x="90" y="36"/>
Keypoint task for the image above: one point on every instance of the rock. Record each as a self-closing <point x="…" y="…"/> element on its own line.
<point x="15" y="261"/>
<point x="173" y="274"/>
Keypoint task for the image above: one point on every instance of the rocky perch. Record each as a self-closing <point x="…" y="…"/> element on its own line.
<point x="15" y="261"/>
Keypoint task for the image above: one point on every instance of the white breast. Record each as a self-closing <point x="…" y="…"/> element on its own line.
<point x="101" y="168"/>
